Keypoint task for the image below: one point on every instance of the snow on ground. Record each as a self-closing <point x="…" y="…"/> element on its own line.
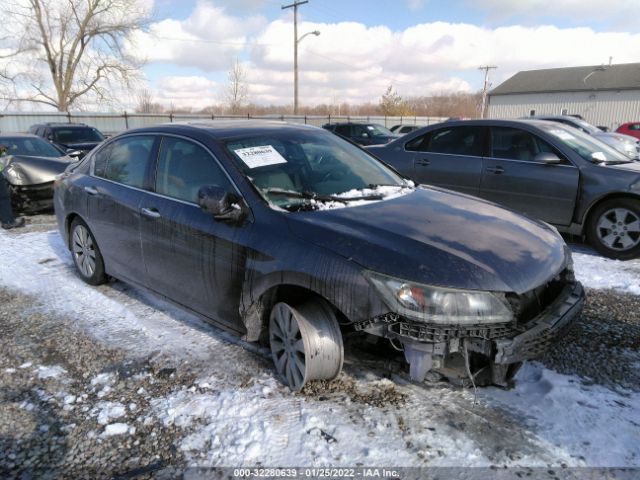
<point x="597" y="272"/>
<point x="240" y="415"/>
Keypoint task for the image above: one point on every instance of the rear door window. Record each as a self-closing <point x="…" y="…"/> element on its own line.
<point x="125" y="160"/>
<point x="455" y="141"/>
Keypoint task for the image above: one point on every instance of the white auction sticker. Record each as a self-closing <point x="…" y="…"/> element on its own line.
<point x="563" y="135"/>
<point x="262" y="156"/>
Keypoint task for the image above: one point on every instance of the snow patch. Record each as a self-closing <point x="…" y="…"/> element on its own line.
<point x="598" y="272"/>
<point x="50" y="372"/>
<point x="118" y="429"/>
<point x="583" y="420"/>
<point x="109" y="411"/>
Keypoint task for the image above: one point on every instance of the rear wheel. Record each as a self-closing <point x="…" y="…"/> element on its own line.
<point x="614" y="229"/>
<point x="306" y="342"/>
<point x="86" y="254"/>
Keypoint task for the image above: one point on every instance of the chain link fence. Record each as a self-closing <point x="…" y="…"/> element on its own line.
<point x="111" y="123"/>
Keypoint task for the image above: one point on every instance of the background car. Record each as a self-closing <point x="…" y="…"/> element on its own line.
<point x="626" y="144"/>
<point x="544" y="169"/>
<point x="404" y="129"/>
<point x="288" y="233"/>
<point x="30" y="166"/>
<point x="71" y="137"/>
<point x="630" y="128"/>
<point x="362" y="133"/>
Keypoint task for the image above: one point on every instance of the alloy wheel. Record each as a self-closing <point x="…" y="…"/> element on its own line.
<point x="619" y="229"/>
<point x="84" y="253"/>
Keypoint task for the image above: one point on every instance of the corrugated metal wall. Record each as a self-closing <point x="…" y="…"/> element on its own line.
<point x="609" y="109"/>
<point x="111" y="123"/>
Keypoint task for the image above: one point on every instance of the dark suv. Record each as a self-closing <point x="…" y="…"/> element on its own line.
<point x="69" y="136"/>
<point x="362" y="133"/>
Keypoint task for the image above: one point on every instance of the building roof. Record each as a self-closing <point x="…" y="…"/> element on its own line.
<point x="624" y="76"/>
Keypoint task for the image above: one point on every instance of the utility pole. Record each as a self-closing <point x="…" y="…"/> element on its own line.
<point x="485" y="88"/>
<point x="295" y="6"/>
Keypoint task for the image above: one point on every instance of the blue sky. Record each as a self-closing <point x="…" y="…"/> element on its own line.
<point x="419" y="46"/>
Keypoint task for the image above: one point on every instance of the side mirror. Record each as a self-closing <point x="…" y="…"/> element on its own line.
<point x="73" y="153"/>
<point x="547" y="158"/>
<point x="220" y="203"/>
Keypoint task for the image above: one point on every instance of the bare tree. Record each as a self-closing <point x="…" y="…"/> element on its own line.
<point x="76" y="48"/>
<point x="146" y="104"/>
<point x="237" y="90"/>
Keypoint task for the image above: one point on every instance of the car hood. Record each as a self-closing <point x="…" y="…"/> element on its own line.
<point x="34" y="170"/>
<point x="614" y="136"/>
<point x="439" y="237"/>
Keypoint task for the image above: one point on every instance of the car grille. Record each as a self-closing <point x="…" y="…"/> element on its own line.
<point x="529" y="305"/>
<point x="444" y="333"/>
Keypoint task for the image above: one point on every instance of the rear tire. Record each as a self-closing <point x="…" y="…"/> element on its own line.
<point x="86" y="254"/>
<point x="613" y="228"/>
<point x="306" y="342"/>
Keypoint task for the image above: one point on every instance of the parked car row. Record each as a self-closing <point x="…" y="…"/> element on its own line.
<point x="543" y="169"/>
<point x="628" y="145"/>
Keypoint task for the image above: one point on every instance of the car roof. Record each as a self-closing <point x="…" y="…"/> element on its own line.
<point x="59" y="124"/>
<point x="500" y="122"/>
<point x="18" y="134"/>
<point x="224" y="128"/>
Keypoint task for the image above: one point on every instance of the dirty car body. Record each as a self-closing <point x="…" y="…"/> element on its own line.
<point x="30" y="165"/>
<point x="296" y="223"/>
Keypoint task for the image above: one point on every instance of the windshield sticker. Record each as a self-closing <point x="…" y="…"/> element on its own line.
<point x="562" y="134"/>
<point x="255" y="157"/>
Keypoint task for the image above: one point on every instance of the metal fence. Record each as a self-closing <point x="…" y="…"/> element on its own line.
<point x="111" y="123"/>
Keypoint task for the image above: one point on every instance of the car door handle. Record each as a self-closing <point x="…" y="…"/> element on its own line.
<point x="91" y="190"/>
<point x="150" y="212"/>
<point x="496" y="170"/>
<point x="424" y="162"/>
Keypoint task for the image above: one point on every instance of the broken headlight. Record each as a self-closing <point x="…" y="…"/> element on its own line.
<point x="13" y="174"/>
<point x="427" y="303"/>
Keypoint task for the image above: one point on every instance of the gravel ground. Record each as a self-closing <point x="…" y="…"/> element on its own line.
<point x="604" y="344"/>
<point x="49" y="423"/>
<point x="57" y="409"/>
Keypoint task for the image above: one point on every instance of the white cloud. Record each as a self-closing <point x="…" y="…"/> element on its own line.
<point x="209" y="38"/>
<point x="187" y="91"/>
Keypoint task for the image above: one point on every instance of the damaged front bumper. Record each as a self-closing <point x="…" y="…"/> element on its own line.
<point x="32" y="199"/>
<point x="488" y="353"/>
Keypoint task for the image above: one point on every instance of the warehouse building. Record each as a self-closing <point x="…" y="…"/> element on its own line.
<point x="604" y="95"/>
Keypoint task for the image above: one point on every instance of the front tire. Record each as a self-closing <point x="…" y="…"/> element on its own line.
<point x="86" y="254"/>
<point x="306" y="342"/>
<point x="613" y="228"/>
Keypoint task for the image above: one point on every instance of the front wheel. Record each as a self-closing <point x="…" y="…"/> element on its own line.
<point x="306" y="342"/>
<point x="613" y="229"/>
<point x="86" y="254"/>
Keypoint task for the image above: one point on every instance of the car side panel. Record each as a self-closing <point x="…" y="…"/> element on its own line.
<point x="193" y="259"/>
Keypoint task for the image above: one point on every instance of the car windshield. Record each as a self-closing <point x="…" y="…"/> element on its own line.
<point x="312" y="170"/>
<point x="588" y="147"/>
<point x="77" y="135"/>
<point x="587" y="126"/>
<point x="378" y="130"/>
<point x="30" y="146"/>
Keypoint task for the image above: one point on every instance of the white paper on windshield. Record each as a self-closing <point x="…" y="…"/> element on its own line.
<point x="255" y="157"/>
<point x="563" y="135"/>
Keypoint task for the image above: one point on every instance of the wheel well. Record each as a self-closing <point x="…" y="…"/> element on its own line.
<point x="256" y="317"/>
<point x="67" y="226"/>
<point x="597" y="203"/>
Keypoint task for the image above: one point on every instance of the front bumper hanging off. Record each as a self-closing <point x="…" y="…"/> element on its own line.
<point x="495" y="349"/>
